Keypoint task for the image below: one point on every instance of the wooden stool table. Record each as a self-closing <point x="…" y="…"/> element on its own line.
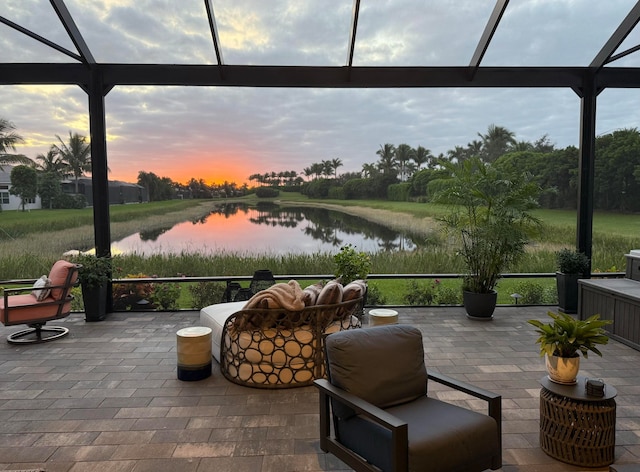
<point x="577" y="428"/>
<point x="194" y="353"/>
<point x="382" y="316"/>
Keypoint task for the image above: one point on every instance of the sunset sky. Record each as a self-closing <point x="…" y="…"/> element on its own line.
<point x="220" y="134"/>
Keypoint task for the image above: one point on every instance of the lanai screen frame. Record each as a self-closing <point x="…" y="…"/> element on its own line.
<point x="97" y="79"/>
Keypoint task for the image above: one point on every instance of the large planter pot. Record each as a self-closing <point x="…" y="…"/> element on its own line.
<point x="480" y="306"/>
<point x="95" y="302"/>
<point x="567" y="286"/>
<point x="562" y="370"/>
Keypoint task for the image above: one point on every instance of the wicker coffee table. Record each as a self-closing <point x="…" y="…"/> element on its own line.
<point x="577" y="428"/>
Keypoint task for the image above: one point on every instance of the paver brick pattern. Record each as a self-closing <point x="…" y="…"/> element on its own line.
<point x="106" y="398"/>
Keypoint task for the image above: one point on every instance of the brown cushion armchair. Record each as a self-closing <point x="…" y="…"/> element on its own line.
<point x="21" y="306"/>
<point x="376" y="400"/>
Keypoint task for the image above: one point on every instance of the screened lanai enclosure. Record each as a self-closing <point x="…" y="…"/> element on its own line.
<point x="132" y="49"/>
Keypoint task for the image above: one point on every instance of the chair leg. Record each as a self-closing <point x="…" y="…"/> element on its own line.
<point x="34" y="334"/>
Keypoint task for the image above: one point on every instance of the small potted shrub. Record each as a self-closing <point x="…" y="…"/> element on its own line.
<point x="94" y="277"/>
<point x="564" y="339"/>
<point x="351" y="265"/>
<point x="571" y="266"/>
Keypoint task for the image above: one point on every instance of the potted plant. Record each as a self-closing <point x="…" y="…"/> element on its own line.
<point x="94" y="277"/>
<point x="351" y="265"/>
<point x="571" y="266"/>
<point x="564" y="339"/>
<point x="491" y="222"/>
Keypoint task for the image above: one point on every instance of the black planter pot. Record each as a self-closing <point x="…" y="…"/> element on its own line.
<point x="95" y="303"/>
<point x="567" y="286"/>
<point x="480" y="306"/>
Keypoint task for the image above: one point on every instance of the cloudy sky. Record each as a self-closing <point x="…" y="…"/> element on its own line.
<point x="229" y="133"/>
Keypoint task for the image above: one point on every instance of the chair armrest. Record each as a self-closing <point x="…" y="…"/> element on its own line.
<point x="399" y="429"/>
<point x="16" y="291"/>
<point x="493" y="400"/>
<point x="361" y="406"/>
<point x="463" y="386"/>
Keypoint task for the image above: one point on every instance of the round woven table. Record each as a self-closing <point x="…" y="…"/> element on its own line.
<point x="577" y="428"/>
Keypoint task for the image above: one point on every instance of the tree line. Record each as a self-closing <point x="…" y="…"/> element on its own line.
<point x="415" y="174"/>
<point x="401" y="172"/>
<point x="71" y="158"/>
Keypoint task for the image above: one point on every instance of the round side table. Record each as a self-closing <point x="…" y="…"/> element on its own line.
<point x="382" y="316"/>
<point x="577" y="428"/>
<point x="194" y="353"/>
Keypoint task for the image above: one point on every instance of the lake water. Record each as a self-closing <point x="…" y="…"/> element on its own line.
<point x="267" y="229"/>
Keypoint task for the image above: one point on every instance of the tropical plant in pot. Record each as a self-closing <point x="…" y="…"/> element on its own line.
<point x="94" y="277"/>
<point x="563" y="339"/>
<point x="571" y="266"/>
<point x="491" y="223"/>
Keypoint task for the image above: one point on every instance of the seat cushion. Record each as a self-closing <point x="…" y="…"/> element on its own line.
<point x="442" y="437"/>
<point x="214" y="316"/>
<point x="35" y="311"/>
<point x="383" y="365"/>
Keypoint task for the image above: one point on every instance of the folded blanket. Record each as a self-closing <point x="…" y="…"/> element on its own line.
<point x="288" y="296"/>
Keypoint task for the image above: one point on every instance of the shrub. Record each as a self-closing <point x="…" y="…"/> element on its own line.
<point x="432" y="293"/>
<point x="267" y="192"/>
<point x="420" y="293"/>
<point x="532" y="293"/>
<point x="206" y="293"/>
<point x="127" y="295"/>
<point x="374" y="295"/>
<point x="572" y="262"/>
<point x="165" y="296"/>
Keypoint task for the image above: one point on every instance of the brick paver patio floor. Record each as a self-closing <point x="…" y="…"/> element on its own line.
<point x="106" y="398"/>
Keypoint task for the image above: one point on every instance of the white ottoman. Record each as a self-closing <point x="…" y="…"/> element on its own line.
<point x="214" y="316"/>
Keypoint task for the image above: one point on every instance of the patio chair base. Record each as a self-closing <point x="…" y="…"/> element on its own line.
<point x="35" y="334"/>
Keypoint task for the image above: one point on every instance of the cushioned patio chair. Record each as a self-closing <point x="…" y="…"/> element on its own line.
<point x="39" y="304"/>
<point x="376" y="400"/>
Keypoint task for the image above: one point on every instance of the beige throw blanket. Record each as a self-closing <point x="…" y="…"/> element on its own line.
<point x="288" y="296"/>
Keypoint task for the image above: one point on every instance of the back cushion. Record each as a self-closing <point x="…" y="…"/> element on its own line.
<point x="383" y="365"/>
<point x="58" y="276"/>
<point x="331" y="294"/>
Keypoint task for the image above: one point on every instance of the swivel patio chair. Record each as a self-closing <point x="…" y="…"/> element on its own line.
<point x="375" y="413"/>
<point x="36" y="305"/>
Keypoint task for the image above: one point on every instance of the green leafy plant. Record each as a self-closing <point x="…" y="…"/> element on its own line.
<point x="165" y="295"/>
<point x="490" y="219"/>
<point x="572" y="262"/>
<point x="206" y="293"/>
<point x="566" y="336"/>
<point x="351" y="265"/>
<point x="95" y="271"/>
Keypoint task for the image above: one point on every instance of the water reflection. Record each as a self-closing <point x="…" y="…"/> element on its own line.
<point x="267" y="228"/>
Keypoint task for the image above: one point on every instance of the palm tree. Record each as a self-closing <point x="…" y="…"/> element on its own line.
<point x="76" y="154"/>
<point x="51" y="162"/>
<point x="387" y="162"/>
<point x="368" y="170"/>
<point x="496" y="142"/>
<point x="335" y="163"/>
<point x="421" y="156"/>
<point x="8" y="140"/>
<point x="403" y="155"/>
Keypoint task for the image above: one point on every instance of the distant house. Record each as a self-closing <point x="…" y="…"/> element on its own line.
<point x="119" y="192"/>
<point x="13" y="202"/>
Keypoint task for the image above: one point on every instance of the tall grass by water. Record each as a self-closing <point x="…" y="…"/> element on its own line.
<point x="31" y="241"/>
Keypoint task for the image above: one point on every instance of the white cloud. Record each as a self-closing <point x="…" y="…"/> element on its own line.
<point x="151" y="128"/>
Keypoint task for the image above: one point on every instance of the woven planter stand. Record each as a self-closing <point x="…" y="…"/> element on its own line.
<point x="577" y="432"/>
